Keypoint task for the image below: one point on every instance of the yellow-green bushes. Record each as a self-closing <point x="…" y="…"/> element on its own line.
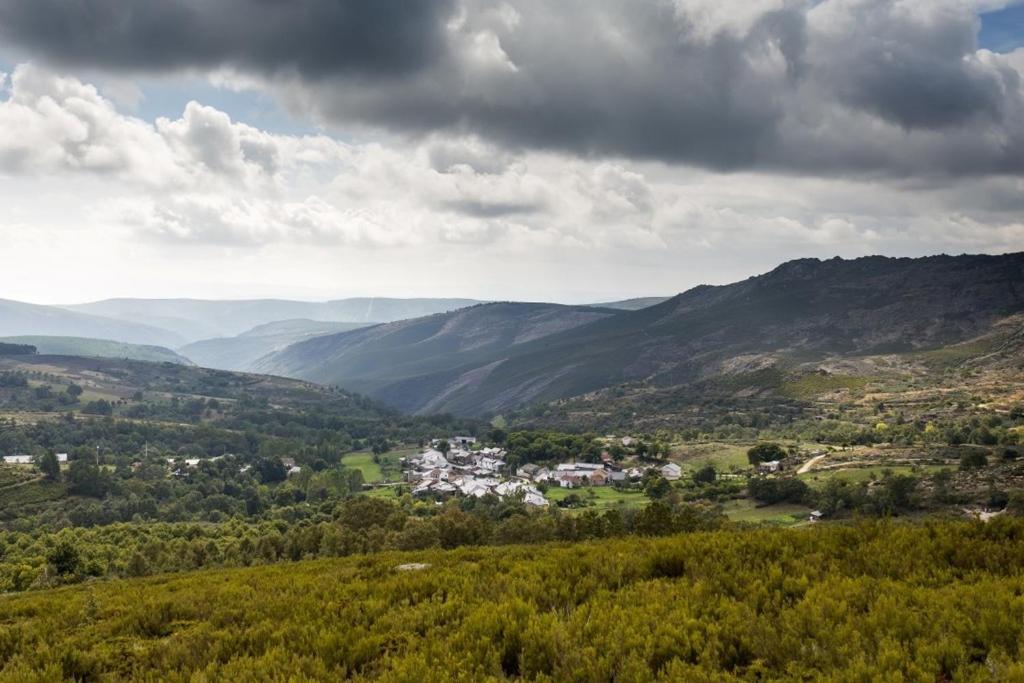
<point x="876" y="601"/>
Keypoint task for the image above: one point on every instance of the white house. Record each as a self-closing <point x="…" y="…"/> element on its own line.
<point x="543" y="474"/>
<point x="490" y="464"/>
<point x="671" y="471"/>
<point x="528" y="471"/>
<point x="769" y="467"/>
<point x="535" y="499"/>
<point x="17" y="459"/>
<point x="433" y="460"/>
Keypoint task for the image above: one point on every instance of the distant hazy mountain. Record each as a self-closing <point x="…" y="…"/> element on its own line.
<point x="195" y="319"/>
<point x="98" y="348"/>
<point x="17" y="318"/>
<point x="803" y="309"/>
<point x="633" y="304"/>
<point x="240" y="352"/>
<point x="411" y="352"/>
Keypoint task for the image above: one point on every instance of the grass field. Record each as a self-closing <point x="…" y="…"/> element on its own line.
<point x="857" y="474"/>
<point x="363" y="461"/>
<point x="724" y="456"/>
<point x="385" y="492"/>
<point x="387" y="467"/>
<point x="602" y="497"/>
<point x="782" y="515"/>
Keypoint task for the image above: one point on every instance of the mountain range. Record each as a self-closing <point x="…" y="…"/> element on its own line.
<point x="242" y="351"/>
<point x="98" y="348"/>
<point x="195" y="319"/>
<point x="19" y="319"/>
<point x="473" y="358"/>
<point x="416" y="365"/>
<point x="496" y="357"/>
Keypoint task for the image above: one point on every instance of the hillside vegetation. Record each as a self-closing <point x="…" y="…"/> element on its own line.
<point x="936" y="602"/>
<point x="99" y="348"/>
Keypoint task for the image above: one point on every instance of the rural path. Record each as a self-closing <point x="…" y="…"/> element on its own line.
<point x="21" y="483"/>
<point x="809" y="465"/>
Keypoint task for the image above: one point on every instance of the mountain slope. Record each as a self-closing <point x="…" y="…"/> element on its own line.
<point x="802" y="310"/>
<point x="98" y="348"/>
<point x="17" y="318"/>
<point x="373" y="359"/>
<point x="197" y="319"/>
<point x="633" y="304"/>
<point x="240" y="352"/>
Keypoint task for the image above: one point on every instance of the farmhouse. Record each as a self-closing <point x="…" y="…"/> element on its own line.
<point x="671" y="471"/>
<point x="770" y="467"/>
<point x="17" y="459"/>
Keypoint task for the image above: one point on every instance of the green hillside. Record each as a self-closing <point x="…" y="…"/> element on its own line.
<point x="936" y="602"/>
<point x="99" y="348"/>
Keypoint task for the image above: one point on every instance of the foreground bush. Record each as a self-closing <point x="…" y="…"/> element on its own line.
<point x="878" y="601"/>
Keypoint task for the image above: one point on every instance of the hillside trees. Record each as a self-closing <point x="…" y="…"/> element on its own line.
<point x="49" y="466"/>
<point x="765" y="452"/>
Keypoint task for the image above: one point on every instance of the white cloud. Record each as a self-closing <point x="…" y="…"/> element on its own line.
<point x="198" y="203"/>
<point x="65" y="126"/>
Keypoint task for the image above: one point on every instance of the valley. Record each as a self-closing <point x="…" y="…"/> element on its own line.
<point x="792" y="408"/>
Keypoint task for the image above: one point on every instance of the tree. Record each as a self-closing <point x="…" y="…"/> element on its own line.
<point x="973" y="460"/>
<point x="657" y="487"/>
<point x="86" y="479"/>
<point x="444" y="446"/>
<point x="705" y="475"/>
<point x="765" y="452"/>
<point x="74" y="391"/>
<point x="64" y="558"/>
<point x="772" y="491"/>
<point x="271" y="470"/>
<point x="49" y="466"/>
<point x="100" y="407"/>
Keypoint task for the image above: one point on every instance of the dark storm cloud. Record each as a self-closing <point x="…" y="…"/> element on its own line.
<point x="840" y="86"/>
<point x="313" y="38"/>
<point x="830" y="86"/>
<point x="488" y="209"/>
<point x="908" y="68"/>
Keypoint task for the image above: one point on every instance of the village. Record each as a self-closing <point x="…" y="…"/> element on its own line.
<point x="456" y="466"/>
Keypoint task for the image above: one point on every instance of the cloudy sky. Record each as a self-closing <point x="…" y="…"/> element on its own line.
<point x="569" y="150"/>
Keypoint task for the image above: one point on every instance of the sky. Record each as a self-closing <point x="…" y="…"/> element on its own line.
<point x="573" y="151"/>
